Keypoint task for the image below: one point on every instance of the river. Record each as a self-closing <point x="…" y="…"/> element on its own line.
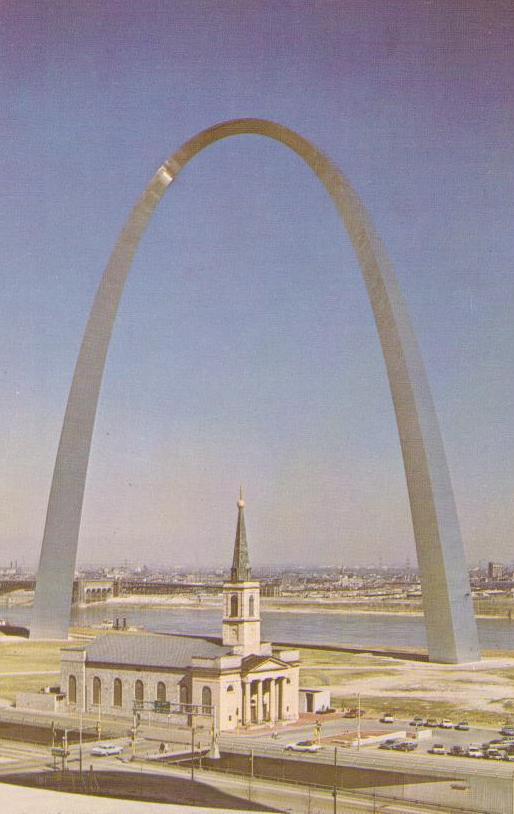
<point x="369" y="630"/>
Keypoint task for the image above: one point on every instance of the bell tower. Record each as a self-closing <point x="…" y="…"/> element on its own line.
<point x="241" y="597"/>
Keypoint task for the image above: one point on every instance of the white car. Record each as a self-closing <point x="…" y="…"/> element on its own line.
<point x="387" y="718"/>
<point x="303" y="746"/>
<point x="495" y="754"/>
<point x="446" y="724"/>
<point x="474" y="751"/>
<point x="106" y="749"/>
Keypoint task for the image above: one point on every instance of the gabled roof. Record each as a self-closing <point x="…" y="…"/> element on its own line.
<point x="152" y="650"/>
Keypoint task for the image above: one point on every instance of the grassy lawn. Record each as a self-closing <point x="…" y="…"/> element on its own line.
<point x="28" y="656"/>
<point x="403" y="701"/>
<point x="10" y="685"/>
<point x="403" y="707"/>
<point x="329" y="658"/>
<point x="334" y="678"/>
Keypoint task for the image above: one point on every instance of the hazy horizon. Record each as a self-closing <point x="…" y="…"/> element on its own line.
<point x="245" y="349"/>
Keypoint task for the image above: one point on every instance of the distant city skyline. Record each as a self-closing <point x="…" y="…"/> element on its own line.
<point x="221" y="372"/>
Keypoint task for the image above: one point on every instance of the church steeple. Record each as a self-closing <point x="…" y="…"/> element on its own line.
<point x="240" y="571"/>
<point x="241" y="597"/>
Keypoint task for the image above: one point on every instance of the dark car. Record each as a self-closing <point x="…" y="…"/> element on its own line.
<point x="405" y="746"/>
<point x="389" y="743"/>
<point x="437" y="749"/>
<point x="353" y="713"/>
<point x="507" y="730"/>
<point x="457" y="751"/>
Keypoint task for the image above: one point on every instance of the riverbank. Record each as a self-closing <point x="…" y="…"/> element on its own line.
<point x="495" y="609"/>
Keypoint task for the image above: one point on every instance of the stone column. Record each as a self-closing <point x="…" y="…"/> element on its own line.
<point x="272" y="700"/>
<point x="247" y="709"/>
<point x="259" y="702"/>
<point x="280" y="705"/>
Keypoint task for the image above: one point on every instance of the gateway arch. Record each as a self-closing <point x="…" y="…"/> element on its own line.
<point x="448" y="609"/>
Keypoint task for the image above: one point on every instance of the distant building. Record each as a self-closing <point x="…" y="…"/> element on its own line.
<point x="245" y="680"/>
<point x="495" y="570"/>
<point x="86" y="590"/>
<point x="271" y="587"/>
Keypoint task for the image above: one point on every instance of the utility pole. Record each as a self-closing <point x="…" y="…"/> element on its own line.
<point x="358" y="721"/>
<point x="193" y="754"/>
<point x="334" y="792"/>
<point x="250" y="776"/>
<point x="80" y="747"/>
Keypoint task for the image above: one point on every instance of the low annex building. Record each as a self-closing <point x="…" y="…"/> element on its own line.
<point x="241" y="681"/>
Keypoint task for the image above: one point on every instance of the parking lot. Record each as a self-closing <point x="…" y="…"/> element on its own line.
<point x="452" y="738"/>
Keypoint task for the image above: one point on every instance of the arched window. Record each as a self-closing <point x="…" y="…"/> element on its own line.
<point x="161" y="691"/>
<point x="233" y="605"/>
<point x="206" y="697"/>
<point x="118" y="693"/>
<point x="183" y="694"/>
<point x="230" y="688"/>
<point x="251" y="606"/>
<point x="97" y="690"/>
<point x="72" y="690"/>
<point x="139" y="692"/>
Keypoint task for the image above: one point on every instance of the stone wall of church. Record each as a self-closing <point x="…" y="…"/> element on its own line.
<point x="292" y="694"/>
<point x="112" y="690"/>
<point x="226" y="696"/>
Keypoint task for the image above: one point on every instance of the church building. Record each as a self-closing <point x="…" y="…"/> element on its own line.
<point x="238" y="680"/>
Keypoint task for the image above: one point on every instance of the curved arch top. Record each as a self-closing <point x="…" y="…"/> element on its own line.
<point x="448" y="609"/>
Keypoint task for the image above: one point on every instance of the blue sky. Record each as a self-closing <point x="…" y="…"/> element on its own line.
<point x="245" y="349"/>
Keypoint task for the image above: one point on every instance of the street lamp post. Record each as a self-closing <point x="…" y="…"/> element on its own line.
<point x="214" y="752"/>
<point x="358" y="721"/>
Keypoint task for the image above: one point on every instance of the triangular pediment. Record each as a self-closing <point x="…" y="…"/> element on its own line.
<point x="258" y="664"/>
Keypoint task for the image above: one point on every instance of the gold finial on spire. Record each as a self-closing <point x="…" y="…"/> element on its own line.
<point x="241" y="502"/>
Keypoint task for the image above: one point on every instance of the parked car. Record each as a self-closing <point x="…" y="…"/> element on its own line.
<point x="446" y="724"/>
<point x="106" y="749"/>
<point x="474" y="751"/>
<point x="437" y="749"/>
<point x="418" y="721"/>
<point x="457" y="751"/>
<point x="303" y="746"/>
<point x="389" y="743"/>
<point x="387" y="718"/>
<point x="353" y="713"/>
<point x="494" y="754"/>
<point x="432" y="722"/>
<point x="405" y="746"/>
<point x="507" y="730"/>
<point x="463" y="726"/>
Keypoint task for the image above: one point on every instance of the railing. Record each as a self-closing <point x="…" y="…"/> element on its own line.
<point x="174" y="708"/>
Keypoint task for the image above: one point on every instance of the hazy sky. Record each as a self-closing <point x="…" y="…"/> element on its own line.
<point x="245" y="349"/>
